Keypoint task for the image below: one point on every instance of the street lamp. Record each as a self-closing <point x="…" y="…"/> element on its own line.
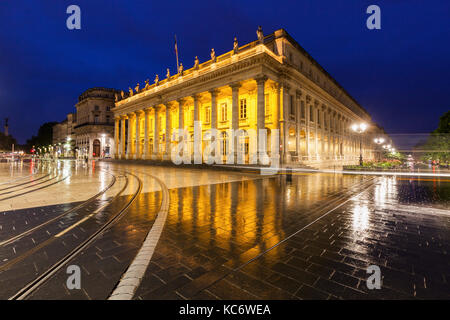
<point x="360" y="128"/>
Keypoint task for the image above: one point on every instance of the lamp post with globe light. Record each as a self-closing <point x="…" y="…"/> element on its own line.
<point x="360" y="129"/>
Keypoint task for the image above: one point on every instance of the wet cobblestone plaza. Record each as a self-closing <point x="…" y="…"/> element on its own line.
<point x="227" y="235"/>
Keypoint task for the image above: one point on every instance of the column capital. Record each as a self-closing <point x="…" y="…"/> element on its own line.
<point x="196" y="97"/>
<point x="261" y="79"/>
<point x="298" y="93"/>
<point x="235" y="85"/>
<point x="131" y="114"/>
<point x="214" y="92"/>
<point x="308" y="98"/>
<point x="181" y="101"/>
<point x="147" y="111"/>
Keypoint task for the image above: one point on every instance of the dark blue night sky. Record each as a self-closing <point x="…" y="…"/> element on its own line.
<point x="400" y="73"/>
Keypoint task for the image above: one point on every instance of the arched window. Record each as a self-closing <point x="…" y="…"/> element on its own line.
<point x="96" y="148"/>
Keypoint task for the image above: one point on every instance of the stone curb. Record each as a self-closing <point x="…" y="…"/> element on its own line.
<point x="132" y="278"/>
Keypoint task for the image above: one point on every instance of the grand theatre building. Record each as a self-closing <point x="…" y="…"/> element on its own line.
<point x="271" y="83"/>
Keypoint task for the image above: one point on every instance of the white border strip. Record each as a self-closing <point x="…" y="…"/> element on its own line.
<point x="132" y="278"/>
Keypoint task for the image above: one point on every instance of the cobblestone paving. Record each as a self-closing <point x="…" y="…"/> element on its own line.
<point x="206" y="251"/>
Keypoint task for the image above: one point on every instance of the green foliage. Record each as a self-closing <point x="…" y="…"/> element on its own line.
<point x="395" y="156"/>
<point x="373" y="165"/>
<point x="6" y="142"/>
<point x="44" y="136"/>
<point x="438" y="144"/>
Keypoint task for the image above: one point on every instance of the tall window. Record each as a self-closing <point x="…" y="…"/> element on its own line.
<point x="207" y="115"/>
<point x="108" y="108"/>
<point x="267" y="104"/>
<point x="223" y="112"/>
<point x="318" y="116"/>
<point x="224" y="143"/>
<point x="96" y="108"/>
<point x="311" y="113"/>
<point x="107" y="119"/>
<point x="302" y="109"/>
<point x="243" y="109"/>
<point x="96" y="119"/>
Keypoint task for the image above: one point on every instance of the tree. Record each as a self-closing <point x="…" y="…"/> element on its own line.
<point x="438" y="144"/>
<point x="44" y="136"/>
<point x="6" y="142"/>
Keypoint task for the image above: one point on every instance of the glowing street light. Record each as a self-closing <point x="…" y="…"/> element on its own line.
<point x="360" y="128"/>
<point x="378" y="140"/>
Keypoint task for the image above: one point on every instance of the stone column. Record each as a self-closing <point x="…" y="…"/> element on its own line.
<point x="285" y="116"/>
<point x="234" y="115"/>
<point x="298" y="94"/>
<point x="156" y="134"/>
<point x="116" y="137"/>
<point x="196" y="107"/>
<point x="146" y="134"/>
<point x="307" y="122"/>
<point x="129" y="136"/>
<point x="214" y="108"/>
<point x="137" y="143"/>
<point x="180" y="113"/>
<point x="122" y="137"/>
<point x="168" y="132"/>
<point x="260" y="110"/>
<point x="316" y="128"/>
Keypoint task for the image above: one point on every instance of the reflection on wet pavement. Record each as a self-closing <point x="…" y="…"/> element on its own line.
<point x="215" y="235"/>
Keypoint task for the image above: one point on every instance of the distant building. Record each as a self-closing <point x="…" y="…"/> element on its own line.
<point x="89" y="131"/>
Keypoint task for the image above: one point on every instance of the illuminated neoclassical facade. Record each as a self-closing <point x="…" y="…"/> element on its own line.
<point x="271" y="83"/>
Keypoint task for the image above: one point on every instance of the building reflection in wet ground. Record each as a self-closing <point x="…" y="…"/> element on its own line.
<point x="231" y="224"/>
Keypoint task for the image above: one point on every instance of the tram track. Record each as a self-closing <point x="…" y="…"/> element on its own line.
<point x="21" y="178"/>
<point x="25" y="183"/>
<point x="30" y="287"/>
<point x="71" y="210"/>
<point x="33" y="190"/>
<point x="29" y="184"/>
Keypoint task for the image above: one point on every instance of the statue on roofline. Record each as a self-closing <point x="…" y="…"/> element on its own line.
<point x="122" y="94"/>
<point x="213" y="55"/>
<point x="196" y="63"/>
<point x="181" y="69"/>
<point x="147" y="85"/>
<point x="137" y="88"/>
<point x="117" y="96"/>
<point x="235" y="45"/>
<point x="260" y="35"/>
<point x="168" y="73"/>
<point x="131" y="91"/>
